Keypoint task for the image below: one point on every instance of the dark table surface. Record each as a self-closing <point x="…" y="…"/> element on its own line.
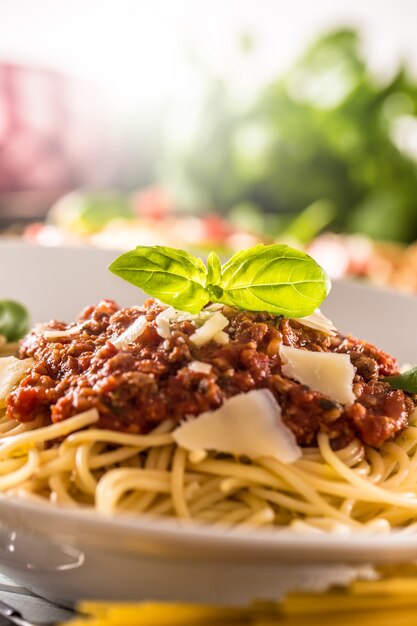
<point x="31" y="606"/>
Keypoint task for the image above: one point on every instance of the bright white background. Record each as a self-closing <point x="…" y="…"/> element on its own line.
<point x="138" y="50"/>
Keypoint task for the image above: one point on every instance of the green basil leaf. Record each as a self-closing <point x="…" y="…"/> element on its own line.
<point x="14" y="320"/>
<point x="173" y="276"/>
<point x="276" y="278"/>
<point x="214" y="269"/>
<point x="405" y="382"/>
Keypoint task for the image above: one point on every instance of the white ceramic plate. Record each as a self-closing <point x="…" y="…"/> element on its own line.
<point x="66" y="555"/>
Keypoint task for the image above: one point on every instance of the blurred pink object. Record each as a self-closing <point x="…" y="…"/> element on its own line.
<point x="153" y="203"/>
<point x="54" y="136"/>
<point x="342" y="255"/>
<point x="216" y="228"/>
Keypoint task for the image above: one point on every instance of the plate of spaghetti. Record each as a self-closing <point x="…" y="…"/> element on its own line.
<point x="215" y="419"/>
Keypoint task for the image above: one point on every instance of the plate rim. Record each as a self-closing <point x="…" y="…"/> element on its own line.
<point x="173" y="538"/>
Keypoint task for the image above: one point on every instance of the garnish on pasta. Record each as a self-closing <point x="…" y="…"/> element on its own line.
<point x="276" y="279"/>
<point x="229" y="400"/>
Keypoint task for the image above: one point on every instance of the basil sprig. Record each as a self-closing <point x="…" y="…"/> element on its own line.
<point x="14" y="320"/>
<point x="276" y="279"/>
<point x="405" y="382"/>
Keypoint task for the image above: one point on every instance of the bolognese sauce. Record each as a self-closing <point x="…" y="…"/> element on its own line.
<point x="152" y="379"/>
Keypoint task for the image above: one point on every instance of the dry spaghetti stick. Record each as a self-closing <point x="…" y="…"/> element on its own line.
<point x="405" y="617"/>
<point x="164" y="614"/>
<point x="399" y="586"/>
<point x="304" y="604"/>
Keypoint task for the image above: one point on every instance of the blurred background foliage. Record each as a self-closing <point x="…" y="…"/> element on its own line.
<point x="326" y="136"/>
<point x="213" y="146"/>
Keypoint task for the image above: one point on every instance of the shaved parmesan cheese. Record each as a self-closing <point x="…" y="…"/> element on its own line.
<point x="329" y="373"/>
<point x="197" y="456"/>
<point x="248" y="424"/>
<point x="168" y="315"/>
<point x="131" y="333"/>
<point x="162" y="322"/>
<point x="12" y="371"/>
<point x="318" y="321"/>
<point x="55" y="333"/>
<point x="209" y="329"/>
<point x="221" y="338"/>
<point x="164" y="319"/>
<point x="215" y="306"/>
<point x="200" y="367"/>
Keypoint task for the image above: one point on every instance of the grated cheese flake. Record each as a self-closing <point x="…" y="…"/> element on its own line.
<point x="248" y="424"/>
<point x="329" y="373"/>
<point x="215" y="323"/>
<point x="162" y="322"/>
<point x="12" y="371"/>
<point x="318" y="321"/>
<point x="221" y="338"/>
<point x="55" y="333"/>
<point x="200" y="367"/>
<point x="131" y="333"/>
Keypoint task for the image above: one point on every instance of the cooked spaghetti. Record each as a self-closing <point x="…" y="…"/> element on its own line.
<point x="93" y="422"/>
<point x="118" y="472"/>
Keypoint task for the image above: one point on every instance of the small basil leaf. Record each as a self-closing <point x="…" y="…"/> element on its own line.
<point x="214" y="269"/>
<point x="406" y="381"/>
<point x="174" y="276"/>
<point x="14" y="320"/>
<point x="276" y="279"/>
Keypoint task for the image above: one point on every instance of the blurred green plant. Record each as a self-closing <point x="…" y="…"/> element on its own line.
<point x="84" y="213"/>
<point x="326" y="132"/>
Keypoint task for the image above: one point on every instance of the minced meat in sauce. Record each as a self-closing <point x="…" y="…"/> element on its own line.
<point x="142" y="384"/>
